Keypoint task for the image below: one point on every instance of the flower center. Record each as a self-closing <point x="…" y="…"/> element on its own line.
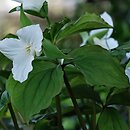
<point x="30" y="50"/>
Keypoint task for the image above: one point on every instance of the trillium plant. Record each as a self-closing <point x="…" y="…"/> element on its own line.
<point x="47" y="86"/>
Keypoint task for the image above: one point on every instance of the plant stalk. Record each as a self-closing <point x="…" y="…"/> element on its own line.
<point x="76" y="107"/>
<point x="59" y="112"/>
<point x="13" y="117"/>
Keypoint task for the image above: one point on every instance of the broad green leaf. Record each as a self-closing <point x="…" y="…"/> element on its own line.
<point x="84" y="23"/>
<point x="36" y="93"/>
<point x="120" y="98"/>
<point x="111" y="120"/>
<point x="99" y="67"/>
<point x="52" y="51"/>
<point x="24" y="20"/>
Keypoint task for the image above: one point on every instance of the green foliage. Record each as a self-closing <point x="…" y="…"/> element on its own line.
<point x="111" y="120"/>
<point x="94" y="78"/>
<point x="84" y="23"/>
<point x="4" y="61"/>
<point x="99" y="67"/>
<point x="24" y="20"/>
<point x="4" y="100"/>
<point x="44" y="83"/>
<point x="121" y="97"/>
<point x="54" y="29"/>
<point x="52" y="51"/>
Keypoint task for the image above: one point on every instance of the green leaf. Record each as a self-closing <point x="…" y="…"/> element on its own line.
<point x="10" y="36"/>
<point x="4" y="61"/>
<point x="36" y="93"/>
<point x="99" y="67"/>
<point x="84" y="23"/>
<point x="120" y="98"/>
<point x="51" y="32"/>
<point x="5" y="73"/>
<point x="111" y="120"/>
<point x="4" y="100"/>
<point x="52" y="51"/>
<point x="125" y="46"/>
<point x="24" y="20"/>
<point x="44" y="10"/>
<point x="14" y="9"/>
<point x="43" y="125"/>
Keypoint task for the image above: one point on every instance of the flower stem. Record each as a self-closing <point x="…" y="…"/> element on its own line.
<point x="13" y="116"/>
<point x="76" y="107"/>
<point x="59" y="112"/>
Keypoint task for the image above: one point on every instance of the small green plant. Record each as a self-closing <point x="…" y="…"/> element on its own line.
<point x="50" y="86"/>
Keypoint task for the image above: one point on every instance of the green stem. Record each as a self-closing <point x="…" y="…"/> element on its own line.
<point x="3" y="125"/>
<point x="59" y="111"/>
<point x="76" y="107"/>
<point x="13" y="116"/>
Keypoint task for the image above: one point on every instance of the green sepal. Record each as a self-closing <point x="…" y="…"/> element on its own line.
<point x="24" y="20"/>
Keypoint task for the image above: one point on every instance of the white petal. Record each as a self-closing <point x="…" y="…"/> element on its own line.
<point x="11" y="47"/>
<point x="101" y="43"/>
<point x="22" y="65"/>
<point x="106" y="43"/>
<point x="31" y="35"/>
<point x="33" y="4"/>
<point x="127" y="72"/>
<point x="112" y="43"/>
<point x="128" y="55"/>
<point x="107" y="18"/>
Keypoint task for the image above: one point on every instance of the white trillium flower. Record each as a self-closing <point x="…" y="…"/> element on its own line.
<point x="106" y="42"/>
<point x="31" y="4"/>
<point x="23" y="50"/>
